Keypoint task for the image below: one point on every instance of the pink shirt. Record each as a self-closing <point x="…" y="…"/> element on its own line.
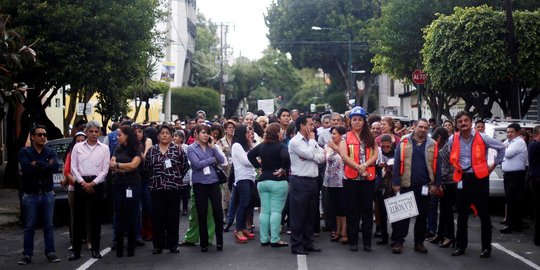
<point x="89" y="160"/>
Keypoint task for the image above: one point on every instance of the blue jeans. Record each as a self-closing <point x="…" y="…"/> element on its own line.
<point x="231" y="213"/>
<point x="273" y="195"/>
<point x="243" y="187"/>
<point x="41" y="204"/>
<point x="144" y="205"/>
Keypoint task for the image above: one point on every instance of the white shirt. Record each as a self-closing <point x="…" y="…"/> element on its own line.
<point x="515" y="157"/>
<point x="324" y="136"/>
<point x="87" y="160"/>
<point x="305" y="155"/>
<point x="243" y="170"/>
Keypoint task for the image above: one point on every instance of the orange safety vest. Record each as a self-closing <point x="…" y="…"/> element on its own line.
<point x="404" y="143"/>
<point x="353" y="149"/>
<point x="478" y="157"/>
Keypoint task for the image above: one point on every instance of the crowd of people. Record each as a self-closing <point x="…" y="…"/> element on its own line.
<point x="293" y="168"/>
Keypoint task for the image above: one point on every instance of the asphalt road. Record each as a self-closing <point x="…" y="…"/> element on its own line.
<point x="515" y="251"/>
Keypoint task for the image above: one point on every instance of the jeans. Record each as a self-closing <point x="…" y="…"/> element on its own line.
<point x="38" y="206"/>
<point x="233" y="204"/>
<point x="144" y="205"/>
<point x="273" y="195"/>
<point x="243" y="187"/>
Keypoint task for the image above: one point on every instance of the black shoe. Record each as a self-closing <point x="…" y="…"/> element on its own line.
<point x="382" y="241"/>
<point x="74" y="257"/>
<point x="437" y="240"/>
<point x="139" y="243"/>
<point x="96" y="255"/>
<point x="279" y="244"/>
<point x="397" y="248"/>
<point x="204" y="249"/>
<point x="458" y="252"/>
<point x="299" y="252"/>
<point x="353" y="248"/>
<point x="25" y="260"/>
<point x="377" y="234"/>
<point x="131" y="253"/>
<point x="506" y="229"/>
<point x="420" y="248"/>
<point x="313" y="249"/>
<point x="265" y="244"/>
<point x="187" y="244"/>
<point x="486" y="253"/>
<point x="51" y="257"/>
<point x="157" y="251"/>
<point x="219" y="247"/>
<point x="174" y="250"/>
<point x="227" y="227"/>
<point x="367" y="248"/>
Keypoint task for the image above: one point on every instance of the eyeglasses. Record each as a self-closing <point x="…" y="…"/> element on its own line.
<point x="41" y="135"/>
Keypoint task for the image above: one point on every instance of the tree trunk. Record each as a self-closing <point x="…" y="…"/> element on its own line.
<point x="137" y="109"/>
<point x="146" y="111"/>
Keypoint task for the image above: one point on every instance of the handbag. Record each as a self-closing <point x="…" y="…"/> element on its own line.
<point x="222" y="176"/>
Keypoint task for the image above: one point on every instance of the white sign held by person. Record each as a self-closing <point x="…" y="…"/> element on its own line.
<point x="401" y="207"/>
<point x="267" y="105"/>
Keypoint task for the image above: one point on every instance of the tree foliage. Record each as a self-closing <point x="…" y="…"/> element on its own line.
<point x="466" y="53"/>
<point x="205" y="66"/>
<point x="185" y="101"/>
<point x="290" y="22"/>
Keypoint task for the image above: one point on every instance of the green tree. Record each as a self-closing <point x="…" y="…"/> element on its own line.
<point x="205" y="70"/>
<point x="466" y="53"/>
<point x="185" y="101"/>
<point x="245" y="76"/>
<point x="290" y="23"/>
<point x="396" y="39"/>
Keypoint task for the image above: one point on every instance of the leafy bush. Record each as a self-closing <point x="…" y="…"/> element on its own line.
<point x="186" y="101"/>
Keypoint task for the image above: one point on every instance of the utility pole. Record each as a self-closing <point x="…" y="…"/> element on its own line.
<point x="224" y="30"/>
<point x="168" y="56"/>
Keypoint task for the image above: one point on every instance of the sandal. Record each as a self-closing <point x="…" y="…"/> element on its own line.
<point x="335" y="237"/>
<point x="240" y="238"/>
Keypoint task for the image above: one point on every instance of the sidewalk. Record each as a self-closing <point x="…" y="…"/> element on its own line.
<point x="9" y="206"/>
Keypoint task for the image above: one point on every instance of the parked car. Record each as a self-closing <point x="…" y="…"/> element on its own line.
<point x="497" y="129"/>
<point x="61" y="146"/>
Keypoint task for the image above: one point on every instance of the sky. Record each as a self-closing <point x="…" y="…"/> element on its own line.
<point x="247" y="35"/>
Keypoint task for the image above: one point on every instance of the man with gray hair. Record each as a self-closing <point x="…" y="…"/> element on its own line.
<point x="89" y="166"/>
<point x="324" y="130"/>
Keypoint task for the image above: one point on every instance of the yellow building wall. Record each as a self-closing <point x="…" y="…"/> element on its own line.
<point x="154" y="112"/>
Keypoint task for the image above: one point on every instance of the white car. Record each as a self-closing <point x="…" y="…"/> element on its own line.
<point x="497" y="129"/>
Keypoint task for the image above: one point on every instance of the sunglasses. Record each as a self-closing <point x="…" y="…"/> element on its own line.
<point x="41" y="135"/>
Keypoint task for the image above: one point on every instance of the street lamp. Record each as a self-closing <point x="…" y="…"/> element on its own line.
<point x="349" y="69"/>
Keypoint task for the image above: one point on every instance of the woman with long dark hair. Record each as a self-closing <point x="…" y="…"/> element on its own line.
<point x="203" y="155"/>
<point x="126" y="188"/>
<point x="166" y="165"/>
<point x="272" y="183"/>
<point x="359" y="152"/>
<point x="244" y="179"/>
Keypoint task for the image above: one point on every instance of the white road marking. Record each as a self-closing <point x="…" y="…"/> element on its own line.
<point x="515" y="255"/>
<point x="91" y="261"/>
<point x="302" y="262"/>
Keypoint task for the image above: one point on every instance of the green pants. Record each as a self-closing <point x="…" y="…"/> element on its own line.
<point x="273" y="195"/>
<point x="192" y="234"/>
